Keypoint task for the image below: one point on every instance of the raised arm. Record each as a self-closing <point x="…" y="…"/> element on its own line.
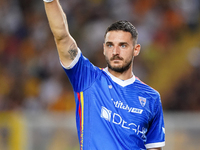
<point x="66" y="45"/>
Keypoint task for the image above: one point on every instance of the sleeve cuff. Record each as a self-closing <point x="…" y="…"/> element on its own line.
<point x="155" y="145"/>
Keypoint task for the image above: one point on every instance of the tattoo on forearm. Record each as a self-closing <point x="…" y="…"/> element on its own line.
<point x="73" y="52"/>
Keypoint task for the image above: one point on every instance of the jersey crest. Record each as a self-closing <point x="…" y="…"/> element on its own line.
<point x="142" y="101"/>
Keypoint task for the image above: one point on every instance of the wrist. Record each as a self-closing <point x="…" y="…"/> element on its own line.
<point x="48" y="1"/>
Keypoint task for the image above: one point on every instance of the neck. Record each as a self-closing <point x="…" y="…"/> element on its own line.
<point x="124" y="75"/>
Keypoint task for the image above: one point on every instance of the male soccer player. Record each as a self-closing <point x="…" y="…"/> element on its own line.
<point x="114" y="109"/>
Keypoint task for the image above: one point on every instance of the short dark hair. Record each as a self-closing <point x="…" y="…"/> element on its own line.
<point x="124" y="26"/>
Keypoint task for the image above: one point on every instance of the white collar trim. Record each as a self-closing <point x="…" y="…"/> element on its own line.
<point x="123" y="83"/>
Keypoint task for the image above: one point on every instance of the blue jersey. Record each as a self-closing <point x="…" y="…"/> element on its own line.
<point x="112" y="114"/>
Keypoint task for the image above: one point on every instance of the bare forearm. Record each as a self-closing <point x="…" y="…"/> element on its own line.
<point x="59" y="27"/>
<point x="57" y="19"/>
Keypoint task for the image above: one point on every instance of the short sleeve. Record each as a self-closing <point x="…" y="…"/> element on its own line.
<point x="156" y="132"/>
<point x="81" y="73"/>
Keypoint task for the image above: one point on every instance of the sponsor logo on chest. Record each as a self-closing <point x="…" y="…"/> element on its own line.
<point x="121" y="105"/>
<point x="118" y="120"/>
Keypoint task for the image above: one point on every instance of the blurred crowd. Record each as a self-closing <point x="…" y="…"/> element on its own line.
<point x="31" y="77"/>
<point x="186" y="95"/>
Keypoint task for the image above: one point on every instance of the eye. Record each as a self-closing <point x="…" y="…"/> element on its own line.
<point x="109" y="45"/>
<point x="123" y="45"/>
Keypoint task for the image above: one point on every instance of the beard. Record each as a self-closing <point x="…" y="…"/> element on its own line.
<point x="119" y="69"/>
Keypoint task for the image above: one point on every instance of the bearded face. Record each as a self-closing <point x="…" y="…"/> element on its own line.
<point x="113" y="63"/>
<point x="119" y="50"/>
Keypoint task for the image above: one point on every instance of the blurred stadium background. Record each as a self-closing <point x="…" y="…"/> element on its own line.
<point x="36" y="98"/>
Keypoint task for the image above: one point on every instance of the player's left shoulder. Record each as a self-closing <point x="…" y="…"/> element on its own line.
<point x="142" y="85"/>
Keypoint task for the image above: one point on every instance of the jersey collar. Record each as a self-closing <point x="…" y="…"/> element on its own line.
<point x="123" y="83"/>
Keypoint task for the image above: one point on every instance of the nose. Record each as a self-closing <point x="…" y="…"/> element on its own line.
<point x="116" y="51"/>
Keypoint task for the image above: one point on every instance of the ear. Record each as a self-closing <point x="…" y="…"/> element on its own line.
<point x="137" y="49"/>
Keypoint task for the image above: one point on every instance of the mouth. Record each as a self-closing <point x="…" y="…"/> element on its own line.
<point x="116" y="61"/>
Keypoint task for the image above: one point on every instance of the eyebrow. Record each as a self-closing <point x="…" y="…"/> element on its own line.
<point x="120" y="43"/>
<point x="123" y="43"/>
<point x="108" y="43"/>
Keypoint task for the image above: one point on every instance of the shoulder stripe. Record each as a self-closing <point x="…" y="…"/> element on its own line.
<point x="81" y="112"/>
